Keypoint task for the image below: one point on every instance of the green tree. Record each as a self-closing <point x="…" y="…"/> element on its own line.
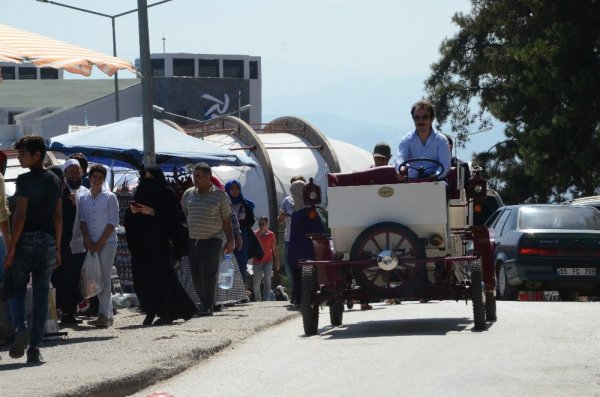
<point x="534" y="65"/>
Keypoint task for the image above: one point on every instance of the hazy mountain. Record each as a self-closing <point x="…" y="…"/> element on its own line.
<point x="356" y="110"/>
<point x="364" y="100"/>
<point x="361" y="134"/>
<point x="364" y="112"/>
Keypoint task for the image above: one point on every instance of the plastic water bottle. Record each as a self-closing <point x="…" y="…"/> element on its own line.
<point x="226" y="272"/>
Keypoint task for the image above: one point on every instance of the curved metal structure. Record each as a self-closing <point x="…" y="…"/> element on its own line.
<point x="251" y="141"/>
<point x="277" y="148"/>
<point x="304" y="129"/>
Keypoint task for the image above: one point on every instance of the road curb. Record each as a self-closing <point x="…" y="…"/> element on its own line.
<point x="132" y="383"/>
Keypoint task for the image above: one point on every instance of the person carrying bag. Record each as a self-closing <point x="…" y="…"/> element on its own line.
<point x="90" y="283"/>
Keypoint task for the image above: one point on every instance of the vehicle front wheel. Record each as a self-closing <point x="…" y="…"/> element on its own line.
<point x="310" y="305"/>
<point x="490" y="306"/>
<point x="477" y="297"/>
<point x="506" y="291"/>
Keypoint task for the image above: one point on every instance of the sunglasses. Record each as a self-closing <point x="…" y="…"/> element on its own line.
<point x="425" y="117"/>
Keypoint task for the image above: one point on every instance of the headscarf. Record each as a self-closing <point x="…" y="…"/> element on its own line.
<point x="297" y="192"/>
<point x="150" y="190"/>
<point x="240" y="198"/>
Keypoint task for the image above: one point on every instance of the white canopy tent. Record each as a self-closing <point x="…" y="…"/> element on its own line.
<point x="297" y="159"/>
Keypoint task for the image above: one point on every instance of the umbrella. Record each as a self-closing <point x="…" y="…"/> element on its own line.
<point x="123" y="141"/>
<point x="18" y="45"/>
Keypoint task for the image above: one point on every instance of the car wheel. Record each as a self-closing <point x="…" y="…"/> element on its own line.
<point x="568" y="296"/>
<point x="490" y="306"/>
<point x="336" y="312"/>
<point x="477" y="297"/>
<point x="310" y="305"/>
<point x="506" y="291"/>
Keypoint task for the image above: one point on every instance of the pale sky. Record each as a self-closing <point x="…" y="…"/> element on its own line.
<point x="305" y="46"/>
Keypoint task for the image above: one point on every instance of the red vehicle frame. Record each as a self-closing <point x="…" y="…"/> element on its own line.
<point x="388" y="259"/>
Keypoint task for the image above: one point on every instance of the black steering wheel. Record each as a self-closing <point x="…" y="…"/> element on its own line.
<point x="434" y="170"/>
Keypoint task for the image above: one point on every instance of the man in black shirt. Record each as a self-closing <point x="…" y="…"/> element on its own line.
<point x="35" y="244"/>
<point x="66" y="278"/>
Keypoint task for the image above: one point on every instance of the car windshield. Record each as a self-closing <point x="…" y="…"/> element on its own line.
<point x="570" y="218"/>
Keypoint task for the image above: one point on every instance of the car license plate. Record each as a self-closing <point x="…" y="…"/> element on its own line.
<point x="576" y="271"/>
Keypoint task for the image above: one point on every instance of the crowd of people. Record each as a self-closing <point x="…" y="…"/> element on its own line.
<point x="63" y="215"/>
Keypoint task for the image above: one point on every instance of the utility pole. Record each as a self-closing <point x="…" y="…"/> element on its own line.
<point x="147" y="96"/>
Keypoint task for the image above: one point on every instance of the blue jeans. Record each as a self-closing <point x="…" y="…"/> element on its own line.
<point x="36" y="254"/>
<point x="262" y="272"/>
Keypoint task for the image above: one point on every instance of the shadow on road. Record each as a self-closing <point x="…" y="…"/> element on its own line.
<point x="70" y="341"/>
<point x="369" y="329"/>
<point x="13" y="366"/>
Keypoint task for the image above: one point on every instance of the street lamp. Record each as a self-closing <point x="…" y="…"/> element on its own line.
<point x="160" y="110"/>
<point x="112" y="18"/>
<point x="489" y="151"/>
<point x="461" y="137"/>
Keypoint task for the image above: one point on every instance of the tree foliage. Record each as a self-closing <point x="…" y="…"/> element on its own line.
<point x="534" y="65"/>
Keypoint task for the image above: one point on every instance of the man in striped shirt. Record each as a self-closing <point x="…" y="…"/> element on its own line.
<point x="208" y="213"/>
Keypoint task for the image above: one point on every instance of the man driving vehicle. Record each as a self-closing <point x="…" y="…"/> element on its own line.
<point x="423" y="142"/>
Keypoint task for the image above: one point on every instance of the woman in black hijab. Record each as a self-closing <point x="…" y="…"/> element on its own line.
<point x="153" y="225"/>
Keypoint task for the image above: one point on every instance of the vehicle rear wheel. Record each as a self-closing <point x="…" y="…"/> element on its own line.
<point x="568" y="296"/>
<point x="336" y="312"/>
<point x="310" y="305"/>
<point x="477" y="296"/>
<point x="506" y="291"/>
<point x="403" y="244"/>
<point x="490" y="306"/>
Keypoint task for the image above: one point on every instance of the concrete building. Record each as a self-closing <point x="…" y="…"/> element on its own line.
<point x="38" y="100"/>
<point x="27" y="71"/>
<point x="202" y="86"/>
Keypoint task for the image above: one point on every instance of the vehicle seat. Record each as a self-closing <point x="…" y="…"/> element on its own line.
<point x="452" y="179"/>
<point x="372" y="176"/>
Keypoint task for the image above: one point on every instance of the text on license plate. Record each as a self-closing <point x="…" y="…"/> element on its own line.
<point x="576" y="271"/>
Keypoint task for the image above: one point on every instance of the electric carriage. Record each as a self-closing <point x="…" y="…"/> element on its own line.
<point x="399" y="240"/>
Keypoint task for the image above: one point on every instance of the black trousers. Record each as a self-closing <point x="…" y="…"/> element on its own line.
<point x="65" y="279"/>
<point x="204" y="264"/>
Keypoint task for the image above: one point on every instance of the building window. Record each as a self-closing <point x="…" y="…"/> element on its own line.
<point x="158" y="67"/>
<point x="253" y="66"/>
<point x="208" y="68"/>
<point x="48" y="74"/>
<point x="11" y="117"/>
<point x="183" y="67"/>
<point x="7" y="72"/>
<point x="27" y="73"/>
<point x="233" y="69"/>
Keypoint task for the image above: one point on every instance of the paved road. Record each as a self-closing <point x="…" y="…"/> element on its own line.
<point x="535" y="349"/>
